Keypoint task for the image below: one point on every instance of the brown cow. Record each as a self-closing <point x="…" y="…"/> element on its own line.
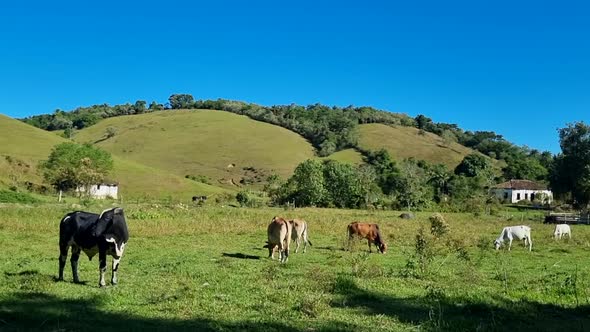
<point x="299" y="233"/>
<point x="369" y="232"/>
<point x="279" y="235"/>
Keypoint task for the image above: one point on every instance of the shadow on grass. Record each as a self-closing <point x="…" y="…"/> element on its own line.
<point x="330" y="248"/>
<point x="44" y="312"/>
<point x="240" y="255"/>
<point x="438" y="312"/>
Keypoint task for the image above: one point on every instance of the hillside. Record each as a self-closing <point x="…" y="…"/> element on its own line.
<point x="228" y="149"/>
<point x="405" y="142"/>
<point x="25" y="146"/>
<point x="350" y="156"/>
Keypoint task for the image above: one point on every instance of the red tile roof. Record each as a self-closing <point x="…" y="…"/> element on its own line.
<point x="521" y="185"/>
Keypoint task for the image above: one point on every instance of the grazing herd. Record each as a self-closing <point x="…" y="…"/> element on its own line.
<point x="107" y="234"/>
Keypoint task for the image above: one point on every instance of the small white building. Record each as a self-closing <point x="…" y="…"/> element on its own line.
<point x="102" y="191"/>
<point x="514" y="191"/>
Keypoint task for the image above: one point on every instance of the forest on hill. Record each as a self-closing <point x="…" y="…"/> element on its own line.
<point x="328" y="128"/>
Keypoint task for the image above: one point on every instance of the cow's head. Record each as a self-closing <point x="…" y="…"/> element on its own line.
<point x="383" y="248"/>
<point x="497" y="244"/>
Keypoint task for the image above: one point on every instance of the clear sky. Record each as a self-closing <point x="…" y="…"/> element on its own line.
<point x="519" y="68"/>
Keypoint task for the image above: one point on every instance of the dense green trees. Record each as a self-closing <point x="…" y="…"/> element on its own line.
<point x="409" y="184"/>
<point x="71" y="165"/>
<point x="178" y="101"/>
<point x="570" y="174"/>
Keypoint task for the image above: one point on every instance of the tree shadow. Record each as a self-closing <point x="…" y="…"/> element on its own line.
<point x="441" y="313"/>
<point x="240" y="255"/>
<point x="39" y="311"/>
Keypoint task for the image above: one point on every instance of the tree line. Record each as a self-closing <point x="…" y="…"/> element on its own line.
<point x="384" y="183"/>
<point x="328" y="128"/>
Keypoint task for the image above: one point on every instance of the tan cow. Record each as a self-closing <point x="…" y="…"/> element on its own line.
<point x="299" y="233"/>
<point x="279" y="235"/>
<point x="367" y="231"/>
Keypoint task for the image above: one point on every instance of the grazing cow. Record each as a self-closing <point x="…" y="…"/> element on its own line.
<point x="367" y="231"/>
<point x="279" y="235"/>
<point x="92" y="233"/>
<point x="561" y="230"/>
<point x="510" y="233"/>
<point x="198" y="199"/>
<point x="299" y="232"/>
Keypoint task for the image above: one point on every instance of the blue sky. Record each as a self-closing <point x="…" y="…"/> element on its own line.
<point x="519" y="68"/>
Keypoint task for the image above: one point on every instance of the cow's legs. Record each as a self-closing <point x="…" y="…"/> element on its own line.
<point x="63" y="256"/>
<point x="369" y="246"/>
<point x="304" y="241"/>
<point x="297" y="242"/>
<point x="115" y="268"/>
<point x="74" y="262"/>
<point x="509" y="244"/>
<point x="102" y="266"/>
<point x="530" y="243"/>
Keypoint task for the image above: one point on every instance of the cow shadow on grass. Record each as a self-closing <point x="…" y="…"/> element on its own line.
<point x="44" y="312"/>
<point x="240" y="256"/>
<point x="438" y="312"/>
<point x="33" y="279"/>
<point x="330" y="248"/>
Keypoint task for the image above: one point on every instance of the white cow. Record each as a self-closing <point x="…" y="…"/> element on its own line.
<point x="299" y="233"/>
<point x="512" y="232"/>
<point x="561" y="230"/>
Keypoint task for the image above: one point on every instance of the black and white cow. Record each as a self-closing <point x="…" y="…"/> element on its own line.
<point x="92" y="233"/>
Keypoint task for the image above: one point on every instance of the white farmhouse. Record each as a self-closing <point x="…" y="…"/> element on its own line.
<point x="514" y="191"/>
<point x="102" y="191"/>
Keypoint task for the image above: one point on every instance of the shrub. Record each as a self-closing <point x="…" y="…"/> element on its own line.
<point x="246" y="198"/>
<point x="438" y="225"/>
<point x="7" y="196"/>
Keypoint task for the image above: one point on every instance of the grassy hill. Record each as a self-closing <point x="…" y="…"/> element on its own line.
<point x="405" y="142"/>
<point x="224" y="147"/>
<point x="22" y="147"/>
<point x="350" y="156"/>
<point x="154" y="152"/>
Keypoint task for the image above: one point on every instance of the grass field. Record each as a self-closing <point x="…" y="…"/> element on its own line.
<point x="189" y="268"/>
<point x="350" y="156"/>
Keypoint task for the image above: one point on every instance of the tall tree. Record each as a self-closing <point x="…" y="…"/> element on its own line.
<point x="570" y="173"/>
<point x="473" y="165"/>
<point x="71" y="165"/>
<point x="308" y="180"/>
<point x="181" y="101"/>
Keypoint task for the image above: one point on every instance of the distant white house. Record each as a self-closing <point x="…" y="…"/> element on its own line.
<point x="102" y="191"/>
<point x="514" y="191"/>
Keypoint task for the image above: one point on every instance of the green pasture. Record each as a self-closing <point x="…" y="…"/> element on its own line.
<point x="204" y="268"/>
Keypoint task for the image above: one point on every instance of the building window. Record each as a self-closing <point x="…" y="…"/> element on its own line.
<point x="532" y="196"/>
<point x="505" y="195"/>
<point x="526" y="196"/>
<point x="518" y="197"/>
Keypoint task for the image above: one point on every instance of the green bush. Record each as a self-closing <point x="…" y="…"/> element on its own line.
<point x="247" y="198"/>
<point x="7" y="196"/>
